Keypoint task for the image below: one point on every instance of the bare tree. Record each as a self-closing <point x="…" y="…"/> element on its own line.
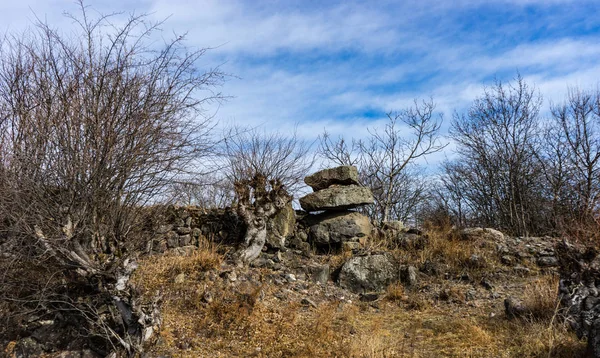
<point x="387" y="159"/>
<point x="263" y="168"/>
<point x="93" y="124"/>
<point x="274" y="155"/>
<point x="497" y="143"/>
<point x="574" y="169"/>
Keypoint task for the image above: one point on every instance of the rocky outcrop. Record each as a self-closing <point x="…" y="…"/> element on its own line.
<point x="372" y="273"/>
<point x="281" y="227"/>
<point x="337" y="198"/>
<point x="521" y="250"/>
<point x="336" y="191"/>
<point x="343" y="175"/>
<point x="579" y="291"/>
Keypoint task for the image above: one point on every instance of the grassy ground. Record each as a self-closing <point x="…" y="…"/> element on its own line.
<point x="206" y="315"/>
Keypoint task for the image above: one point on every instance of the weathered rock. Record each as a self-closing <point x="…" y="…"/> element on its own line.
<point x="338" y="227"/>
<point x="547" y="261"/>
<point x="172" y="239"/>
<point x="409" y="275"/>
<point x="184" y="230"/>
<point x="514" y="308"/>
<point x="579" y="290"/>
<point x="281" y="227"/>
<point x="317" y="273"/>
<point x="343" y="175"/>
<point x="350" y="246"/>
<point x="337" y="198"/>
<point x="185" y="240"/>
<point x="371" y="273"/>
<point x="474" y="233"/>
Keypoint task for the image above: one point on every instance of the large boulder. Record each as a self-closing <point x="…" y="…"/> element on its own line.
<point x="337" y="198"/>
<point x="344" y="175"/>
<point x="338" y="227"/>
<point x="371" y="273"/>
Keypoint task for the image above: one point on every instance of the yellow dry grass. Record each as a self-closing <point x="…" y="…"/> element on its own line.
<point x="245" y="319"/>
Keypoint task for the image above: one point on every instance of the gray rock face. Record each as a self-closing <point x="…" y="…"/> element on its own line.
<point x="579" y="292"/>
<point x="344" y="175"/>
<point x="338" y="227"/>
<point x="369" y="273"/>
<point x="281" y="227"/>
<point x="337" y="198"/>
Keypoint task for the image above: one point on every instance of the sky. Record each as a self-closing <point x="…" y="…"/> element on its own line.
<point x="341" y="66"/>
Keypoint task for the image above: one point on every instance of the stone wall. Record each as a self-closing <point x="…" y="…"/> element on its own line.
<point x="173" y="227"/>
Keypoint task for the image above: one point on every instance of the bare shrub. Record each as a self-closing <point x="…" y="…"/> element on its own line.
<point x="93" y="124"/>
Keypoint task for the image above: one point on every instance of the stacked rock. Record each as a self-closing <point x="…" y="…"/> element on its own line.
<point x="336" y="191"/>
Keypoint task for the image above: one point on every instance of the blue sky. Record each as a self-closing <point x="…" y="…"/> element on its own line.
<point x="341" y="65"/>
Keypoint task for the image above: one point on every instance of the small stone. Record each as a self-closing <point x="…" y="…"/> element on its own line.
<point x="349" y="246"/>
<point x="411" y="276"/>
<point x="185" y="240"/>
<point x="486" y="284"/>
<point x="513" y="307"/>
<point x="317" y="273"/>
<point x="180" y="278"/>
<point x="290" y="277"/>
<point x="547" y="261"/>
<point x="308" y="302"/>
<point x="182" y="230"/>
<point x="368" y="297"/>
<point x="207" y="297"/>
<point x="172" y="239"/>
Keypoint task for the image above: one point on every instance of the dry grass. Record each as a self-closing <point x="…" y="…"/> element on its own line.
<point x="541" y="298"/>
<point x="157" y="272"/>
<point x="444" y="248"/>
<point x="245" y="319"/>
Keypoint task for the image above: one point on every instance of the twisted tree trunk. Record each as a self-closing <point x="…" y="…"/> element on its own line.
<point x="257" y="204"/>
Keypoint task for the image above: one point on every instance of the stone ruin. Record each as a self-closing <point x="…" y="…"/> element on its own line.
<point x="336" y="192"/>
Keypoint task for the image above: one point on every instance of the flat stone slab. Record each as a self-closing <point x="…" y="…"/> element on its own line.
<point x="337" y="198"/>
<point x="343" y="175"/>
